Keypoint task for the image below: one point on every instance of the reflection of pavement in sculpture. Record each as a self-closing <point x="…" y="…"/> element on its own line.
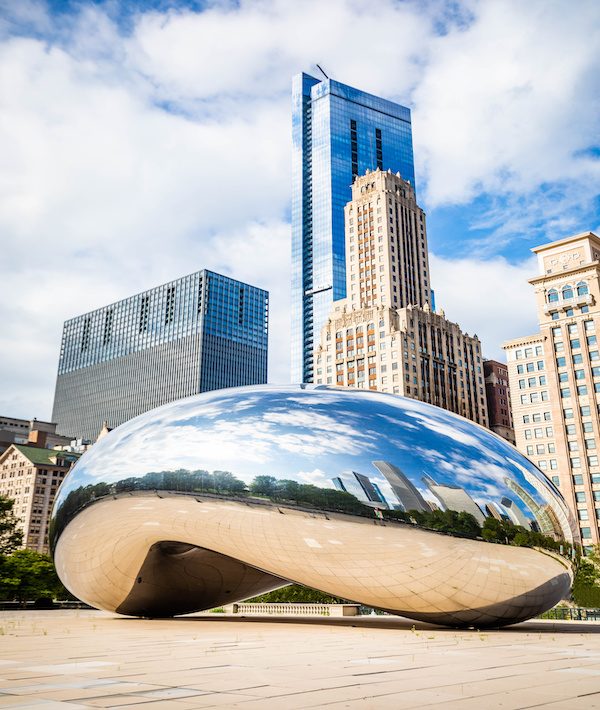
<point x="420" y="574"/>
<point x="221" y="496"/>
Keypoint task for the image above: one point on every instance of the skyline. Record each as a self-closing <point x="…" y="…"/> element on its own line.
<point x="123" y="154"/>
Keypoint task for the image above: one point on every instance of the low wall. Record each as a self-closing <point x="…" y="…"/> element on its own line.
<point x="292" y="609"/>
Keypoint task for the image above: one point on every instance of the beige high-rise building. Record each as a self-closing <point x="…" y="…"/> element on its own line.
<point x="384" y="335"/>
<point x="555" y="376"/>
<point x="31" y="476"/>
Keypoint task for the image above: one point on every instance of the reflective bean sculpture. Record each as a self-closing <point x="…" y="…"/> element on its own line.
<point x="367" y="496"/>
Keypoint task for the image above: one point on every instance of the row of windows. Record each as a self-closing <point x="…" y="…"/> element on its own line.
<point x="537" y="417"/>
<point x="526" y="353"/>
<point x="567" y="292"/>
<point x="535" y="397"/>
<point x="530" y="367"/>
<point x="568" y="312"/>
<point x="532" y="382"/>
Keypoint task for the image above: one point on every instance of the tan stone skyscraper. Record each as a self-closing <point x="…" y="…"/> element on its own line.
<point x="384" y="335"/>
<point x="555" y="376"/>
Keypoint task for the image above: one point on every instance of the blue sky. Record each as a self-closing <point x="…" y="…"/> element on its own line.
<point x="145" y="140"/>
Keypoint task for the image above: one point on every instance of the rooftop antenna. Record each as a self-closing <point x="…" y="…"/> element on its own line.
<point x="322" y="71"/>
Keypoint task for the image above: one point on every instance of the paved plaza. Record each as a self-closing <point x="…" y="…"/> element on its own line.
<point x="89" y="659"/>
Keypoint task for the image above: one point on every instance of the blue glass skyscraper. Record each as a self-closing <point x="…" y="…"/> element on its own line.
<point x="338" y="132"/>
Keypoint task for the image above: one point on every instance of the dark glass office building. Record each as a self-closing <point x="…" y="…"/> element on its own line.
<point x="201" y="332"/>
<point x="338" y="133"/>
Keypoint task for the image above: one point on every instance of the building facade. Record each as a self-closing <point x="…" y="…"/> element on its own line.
<point x="338" y="132"/>
<point x="497" y="393"/>
<point x="198" y="333"/>
<point x="554" y="376"/>
<point x="23" y="431"/>
<point x="384" y="335"/>
<point x="31" y="476"/>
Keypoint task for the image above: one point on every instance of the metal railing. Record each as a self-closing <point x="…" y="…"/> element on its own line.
<point x="565" y="613"/>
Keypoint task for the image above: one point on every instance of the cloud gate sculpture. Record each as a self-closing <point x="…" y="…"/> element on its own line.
<point x="370" y="497"/>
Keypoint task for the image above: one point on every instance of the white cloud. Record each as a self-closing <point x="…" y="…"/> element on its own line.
<point x="490" y="298"/>
<point x="130" y="155"/>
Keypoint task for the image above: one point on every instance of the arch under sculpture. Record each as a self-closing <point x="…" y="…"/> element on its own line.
<point x="371" y="497"/>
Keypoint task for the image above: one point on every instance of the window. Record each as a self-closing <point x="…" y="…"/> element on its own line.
<point x="579" y="374"/>
<point x="565" y="392"/>
<point x="582" y="288"/>
<point x="580" y="496"/>
<point x="588" y="326"/>
<point x="526" y="419"/>
<point x="568" y="414"/>
<point x="540" y="365"/>
<point x="552" y="296"/>
<point x="538" y="433"/>
<point x="570" y="428"/>
<point x="530" y="367"/>
<point x="585" y="410"/>
<point x="556" y="480"/>
<point x="586" y="533"/>
<point x="559" y="347"/>
<point x="592" y="460"/>
<point x="520" y="369"/>
<point x="554" y="315"/>
<point x="578" y="479"/>
<point x="575" y="344"/>
<point x="594" y="355"/>
<point x="563" y="376"/>
<point x="547" y="417"/>
<point x="561" y="362"/>
<point x="557" y="332"/>
<point x="567" y="292"/>
<point x="576" y="463"/>
<point x="578" y="359"/>
<point x="530" y="451"/>
<point x="572" y="328"/>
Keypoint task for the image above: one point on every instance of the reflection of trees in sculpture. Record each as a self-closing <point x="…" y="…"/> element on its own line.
<point x="464" y="524"/>
<point x="307" y="494"/>
<point x="215" y="483"/>
<point x="282" y="492"/>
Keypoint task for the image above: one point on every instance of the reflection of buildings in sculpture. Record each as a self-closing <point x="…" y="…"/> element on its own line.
<point x="557" y="513"/>
<point x="372" y="493"/>
<point x="515" y="515"/>
<point x="494" y="511"/>
<point x="406" y="493"/>
<point x="339" y="484"/>
<point x="454" y="498"/>
<point x="380" y="494"/>
<point x="544" y="516"/>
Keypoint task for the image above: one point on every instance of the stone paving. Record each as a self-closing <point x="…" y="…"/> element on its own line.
<point x="89" y="659"/>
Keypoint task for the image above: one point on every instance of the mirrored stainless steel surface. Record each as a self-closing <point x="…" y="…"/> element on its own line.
<point x="368" y="496"/>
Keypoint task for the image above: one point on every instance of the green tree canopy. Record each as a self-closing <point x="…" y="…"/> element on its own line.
<point x="27" y="575"/>
<point x="10" y="536"/>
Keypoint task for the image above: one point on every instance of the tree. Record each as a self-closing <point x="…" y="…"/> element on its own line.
<point x="27" y="575"/>
<point x="586" y="591"/>
<point x="298" y="594"/>
<point x="10" y="536"/>
<point x="263" y="486"/>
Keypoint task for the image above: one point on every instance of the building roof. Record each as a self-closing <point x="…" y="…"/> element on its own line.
<point x="566" y="240"/>
<point x="45" y="457"/>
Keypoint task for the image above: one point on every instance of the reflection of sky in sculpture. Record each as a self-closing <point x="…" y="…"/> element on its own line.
<point x="312" y="435"/>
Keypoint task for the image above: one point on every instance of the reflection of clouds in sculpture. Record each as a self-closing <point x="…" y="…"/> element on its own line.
<point x="313" y="435"/>
<point x="314" y="478"/>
